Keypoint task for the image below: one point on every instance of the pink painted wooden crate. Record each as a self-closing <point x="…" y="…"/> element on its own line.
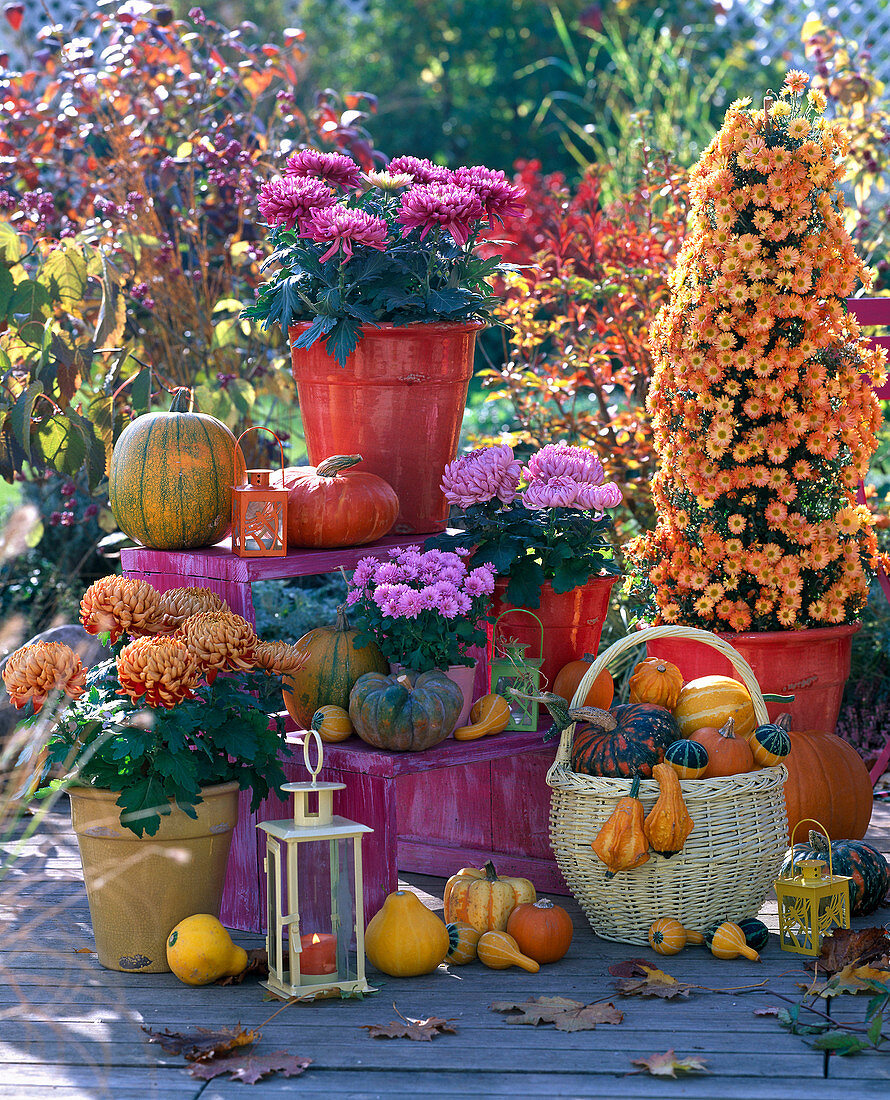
<point x="432" y="812"/>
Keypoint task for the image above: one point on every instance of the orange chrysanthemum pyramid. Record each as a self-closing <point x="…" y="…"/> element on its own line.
<point x="762" y="408"/>
<point x="33" y="672"/>
<point x="121" y="605"/>
<point x="162" y="670"/>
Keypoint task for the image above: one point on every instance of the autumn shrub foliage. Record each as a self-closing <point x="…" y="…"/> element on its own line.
<point x="762" y="407"/>
<point x="594" y="274"/>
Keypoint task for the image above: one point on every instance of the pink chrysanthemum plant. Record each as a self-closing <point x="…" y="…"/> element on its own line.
<point x="545" y="521"/>
<point x="422" y="609"/>
<point x="399" y="245"/>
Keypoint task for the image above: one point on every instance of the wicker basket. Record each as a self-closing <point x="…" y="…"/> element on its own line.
<point x="730" y="860"/>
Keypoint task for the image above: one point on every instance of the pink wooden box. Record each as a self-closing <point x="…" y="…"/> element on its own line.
<point x="432" y="812"/>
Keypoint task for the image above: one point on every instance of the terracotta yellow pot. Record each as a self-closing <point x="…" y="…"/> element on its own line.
<point x="139" y="888"/>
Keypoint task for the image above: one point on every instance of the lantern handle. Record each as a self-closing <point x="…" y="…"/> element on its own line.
<point x="812" y="821"/>
<point x="239" y="454"/>
<point x="522" y="611"/>
<point x="312" y="736"/>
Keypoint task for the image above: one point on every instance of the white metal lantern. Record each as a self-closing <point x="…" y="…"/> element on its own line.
<point x="316" y="859"/>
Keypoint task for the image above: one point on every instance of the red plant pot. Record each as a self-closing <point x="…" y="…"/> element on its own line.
<point x="812" y="665"/>
<point x="398" y="402"/>
<point x="572" y="621"/>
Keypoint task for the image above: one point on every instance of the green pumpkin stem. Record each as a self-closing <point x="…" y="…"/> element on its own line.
<point x="490" y="873"/>
<point x="635" y="787"/>
<point x="183" y="400"/>
<point x="335" y="464"/>
<point x="727" y="730"/>
<point x="342" y="620"/>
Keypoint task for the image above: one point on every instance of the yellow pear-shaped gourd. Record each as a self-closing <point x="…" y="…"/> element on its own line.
<point x="404" y="938"/>
<point x="498" y="950"/>
<point x="668" y="823"/>
<point x="621" y="843"/>
<point x="727" y="941"/>
<point x="200" y="951"/>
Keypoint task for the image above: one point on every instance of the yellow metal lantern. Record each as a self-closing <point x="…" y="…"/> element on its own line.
<point x="516" y="676"/>
<point x="259" y="512"/>
<point x="315" y="862"/>
<point x="811" y="902"/>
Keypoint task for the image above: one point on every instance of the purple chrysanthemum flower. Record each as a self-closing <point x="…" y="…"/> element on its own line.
<point x="364" y="571"/>
<point x="561" y="460"/>
<point x="551" y="492"/>
<point x="481" y="476"/>
<point x="431" y="205"/>
<point x="597" y="498"/>
<point x="420" y="170"/>
<point x="480" y="581"/>
<point x="498" y="196"/>
<point x="336" y="168"/>
<point x="343" y="227"/>
<point x="290" y="200"/>
<point x="410" y="604"/>
<point x="353" y="596"/>
<point x="388" y="572"/>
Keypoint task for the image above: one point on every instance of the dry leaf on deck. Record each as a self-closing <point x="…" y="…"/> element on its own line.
<point x="843" y="946"/>
<point x="656" y="983"/>
<point x="201" y="1044"/>
<point x="564" y="1014"/>
<point x="630" y="968"/>
<point x="666" y="1065"/>
<point x="408" y="1028"/>
<point x="251" y="1068"/>
<point x="770" y="1010"/>
<point x="257" y="963"/>
<point x="853" y="979"/>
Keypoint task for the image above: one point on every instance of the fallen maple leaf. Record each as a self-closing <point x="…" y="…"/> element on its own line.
<point x="257" y="963"/>
<point x="666" y="1065"/>
<point x="853" y="979"/>
<point x="202" y="1044"/>
<point x="630" y="968"/>
<point x="844" y="946"/>
<point x="251" y="1068"/>
<point x="656" y="983"/>
<point x="564" y="1014"/>
<point x="409" y="1028"/>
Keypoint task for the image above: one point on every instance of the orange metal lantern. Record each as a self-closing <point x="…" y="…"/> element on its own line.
<point x="259" y="511"/>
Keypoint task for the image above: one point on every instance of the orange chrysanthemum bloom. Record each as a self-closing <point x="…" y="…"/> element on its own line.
<point x="220" y="641"/>
<point x="281" y="658"/>
<point x="163" y="671"/>
<point x="34" y="672"/>
<point x="177" y="604"/>
<point x="118" y="605"/>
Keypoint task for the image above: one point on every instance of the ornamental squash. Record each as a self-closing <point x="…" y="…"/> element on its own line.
<point x="404" y="939"/>
<point x="828" y="781"/>
<point x="462" y="942"/>
<point x="170" y="478"/>
<point x="334" y="505"/>
<point x="484" y="900"/>
<point x="200" y="951"/>
<point x="621" y="843"/>
<point x="405" y="713"/>
<point x="601" y="691"/>
<point x="867" y="868"/>
<point x="333" y="666"/>
<point x="490" y="714"/>
<point x="542" y="930"/>
<point x="770" y="743"/>
<point x="727" y="754"/>
<point x="709" y="701"/>
<point x="668" y="937"/>
<point x="498" y="950"/>
<point x="627" y="740"/>
<point x="727" y="941"/>
<point x="689" y="759"/>
<point x="332" y="724"/>
<point x="755" y="932"/>
<point x="668" y="823"/>
<point x="656" y="681"/>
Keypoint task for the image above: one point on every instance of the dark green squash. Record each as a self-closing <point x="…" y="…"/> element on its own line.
<point x="770" y="742"/>
<point x="409" y="712"/>
<point x="627" y="740"/>
<point x="688" y="758"/>
<point x="868" y="870"/>
<point x="170" y="478"/>
<point x="756" y="932"/>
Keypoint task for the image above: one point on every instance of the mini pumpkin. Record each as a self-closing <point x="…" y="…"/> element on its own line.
<point x="332" y="724"/>
<point x="688" y="758"/>
<point x="727" y="754"/>
<point x="656" y="681"/>
<point x="463" y="940"/>
<point x="484" y="900"/>
<point x="405" y="713"/>
<point x="770" y="743"/>
<point x="601" y="691"/>
<point x="542" y="930"/>
<point x="668" y="937"/>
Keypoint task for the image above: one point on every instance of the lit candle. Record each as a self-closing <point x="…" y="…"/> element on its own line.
<point x="318" y="953"/>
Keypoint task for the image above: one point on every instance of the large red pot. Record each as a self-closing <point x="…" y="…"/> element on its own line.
<point x="572" y="621"/>
<point x="812" y="665"/>
<point x="398" y="402"/>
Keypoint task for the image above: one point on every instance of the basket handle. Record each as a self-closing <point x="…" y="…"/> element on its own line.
<point x="651" y="633"/>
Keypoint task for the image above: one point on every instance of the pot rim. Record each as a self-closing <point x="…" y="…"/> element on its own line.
<point x="390" y="328"/>
<point x="754" y="637"/>
<point x="104" y="794"/>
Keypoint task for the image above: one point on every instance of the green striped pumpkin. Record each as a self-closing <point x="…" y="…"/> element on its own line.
<point x="688" y="759"/>
<point x="755" y="931"/>
<point x="171" y="476"/>
<point x="770" y="742"/>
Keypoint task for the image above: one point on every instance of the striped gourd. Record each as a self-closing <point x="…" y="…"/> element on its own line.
<point x="770" y="742"/>
<point x="170" y="478"/>
<point x="709" y="701"/>
<point x="688" y="759"/>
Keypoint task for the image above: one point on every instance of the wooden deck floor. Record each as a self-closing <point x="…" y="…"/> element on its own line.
<point x="70" y="1029"/>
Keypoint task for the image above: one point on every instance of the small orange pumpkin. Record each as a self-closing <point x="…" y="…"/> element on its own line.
<point x="656" y="681"/>
<point x="727" y="754"/>
<point x="542" y="930"/>
<point x="601" y="692"/>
